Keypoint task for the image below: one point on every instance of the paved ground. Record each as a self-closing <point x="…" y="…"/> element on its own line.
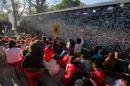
<point x="8" y="77"/>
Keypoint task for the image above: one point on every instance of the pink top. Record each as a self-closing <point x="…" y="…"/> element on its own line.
<point x="78" y="46"/>
<point x="13" y="55"/>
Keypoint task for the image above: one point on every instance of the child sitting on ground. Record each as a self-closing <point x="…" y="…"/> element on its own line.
<point x="70" y="73"/>
<point x="98" y="76"/>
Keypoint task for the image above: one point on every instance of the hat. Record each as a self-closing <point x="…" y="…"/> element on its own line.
<point x="6" y="39"/>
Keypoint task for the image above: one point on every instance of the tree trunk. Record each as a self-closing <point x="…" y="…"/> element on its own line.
<point x="29" y="7"/>
<point x="14" y="14"/>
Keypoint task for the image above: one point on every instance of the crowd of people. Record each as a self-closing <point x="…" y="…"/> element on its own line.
<point x="5" y="26"/>
<point x="83" y="66"/>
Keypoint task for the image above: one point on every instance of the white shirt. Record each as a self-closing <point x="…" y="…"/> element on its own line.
<point x="52" y="67"/>
<point x="13" y="55"/>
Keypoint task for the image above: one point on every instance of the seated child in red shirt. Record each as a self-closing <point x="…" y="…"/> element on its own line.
<point x="70" y="72"/>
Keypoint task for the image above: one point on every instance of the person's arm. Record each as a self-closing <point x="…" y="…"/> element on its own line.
<point x="75" y="49"/>
<point x="82" y="40"/>
<point x="94" y="83"/>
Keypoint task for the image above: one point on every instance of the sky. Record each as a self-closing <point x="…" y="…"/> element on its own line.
<point x="53" y="2"/>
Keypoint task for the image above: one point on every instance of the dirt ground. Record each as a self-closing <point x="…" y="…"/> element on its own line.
<point x="9" y="77"/>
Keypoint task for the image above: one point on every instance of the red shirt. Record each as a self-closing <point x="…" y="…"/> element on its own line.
<point x="48" y="53"/>
<point x="98" y="76"/>
<point x="71" y="70"/>
<point x="65" y="60"/>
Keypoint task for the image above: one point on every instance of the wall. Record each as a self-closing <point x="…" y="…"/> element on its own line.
<point x="103" y="24"/>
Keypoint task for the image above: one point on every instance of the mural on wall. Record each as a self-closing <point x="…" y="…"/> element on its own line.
<point x="107" y="25"/>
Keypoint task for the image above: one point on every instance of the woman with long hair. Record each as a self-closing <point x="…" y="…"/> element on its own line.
<point x="33" y="63"/>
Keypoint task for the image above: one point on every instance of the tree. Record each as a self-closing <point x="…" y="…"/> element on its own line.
<point x="71" y="3"/>
<point x="14" y="13"/>
<point x="18" y="10"/>
<point x="16" y="7"/>
<point x="39" y="5"/>
<point x="66" y="4"/>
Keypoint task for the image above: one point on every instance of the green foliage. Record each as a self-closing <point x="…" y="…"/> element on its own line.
<point x="71" y="3"/>
<point x="65" y="4"/>
<point x="4" y="18"/>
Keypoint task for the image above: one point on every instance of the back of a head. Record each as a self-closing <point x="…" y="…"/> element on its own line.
<point x="72" y="58"/>
<point x="35" y="48"/>
<point x="78" y="40"/>
<point x="55" y="57"/>
<point x="72" y="43"/>
<point x="44" y="38"/>
<point x="97" y="47"/>
<point x="12" y="44"/>
<point x="87" y="82"/>
<point x="111" y="55"/>
<point x="14" y="37"/>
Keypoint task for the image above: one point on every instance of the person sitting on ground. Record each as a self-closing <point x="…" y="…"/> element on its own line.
<point x="98" y="76"/>
<point x="65" y="60"/>
<point x="32" y="63"/>
<point x="85" y="81"/>
<point x="70" y="72"/>
<point x="88" y="64"/>
<point x="98" y="58"/>
<point x="94" y="50"/>
<point x="81" y="67"/>
<point x="48" y="52"/>
<point x="109" y="62"/>
<point x="14" y="55"/>
<point x="118" y="66"/>
<point x="33" y="60"/>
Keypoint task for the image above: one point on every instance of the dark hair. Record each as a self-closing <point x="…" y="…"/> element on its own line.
<point x="111" y="56"/>
<point x="87" y="82"/>
<point x="12" y="44"/>
<point x="1" y="43"/>
<point x="78" y="40"/>
<point x="55" y="57"/>
<point x="14" y="37"/>
<point x="44" y="38"/>
<point x="72" y="58"/>
<point x="1" y="37"/>
<point x="35" y="48"/>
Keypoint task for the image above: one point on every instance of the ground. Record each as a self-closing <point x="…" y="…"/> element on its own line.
<point x="8" y="77"/>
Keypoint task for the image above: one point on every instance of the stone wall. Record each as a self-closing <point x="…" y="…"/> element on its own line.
<point x="102" y="24"/>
